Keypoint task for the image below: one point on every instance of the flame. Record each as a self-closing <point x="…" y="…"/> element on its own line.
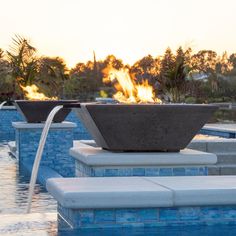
<point x="128" y="91"/>
<point x="31" y="92"/>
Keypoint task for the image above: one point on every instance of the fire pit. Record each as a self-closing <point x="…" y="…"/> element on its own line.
<point x="38" y="111"/>
<point x="143" y="127"/>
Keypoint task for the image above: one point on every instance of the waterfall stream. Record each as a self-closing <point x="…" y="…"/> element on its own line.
<point x="1" y="105"/>
<point x="39" y="154"/>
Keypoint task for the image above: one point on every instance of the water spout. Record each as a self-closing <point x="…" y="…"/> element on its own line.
<point x="39" y="154"/>
<point x="1" y="105"/>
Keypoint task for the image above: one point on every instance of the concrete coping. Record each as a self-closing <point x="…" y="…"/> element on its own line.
<point x="229" y="128"/>
<point x="25" y="125"/>
<point x="142" y="192"/>
<point x="8" y="108"/>
<point x="96" y="156"/>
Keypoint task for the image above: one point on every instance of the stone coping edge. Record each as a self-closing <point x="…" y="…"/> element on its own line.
<point x="25" y="125"/>
<point x="8" y="108"/>
<point x="95" y="156"/>
<point x="141" y="192"/>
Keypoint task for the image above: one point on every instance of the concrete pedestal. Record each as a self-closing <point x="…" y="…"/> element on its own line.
<point x="55" y="155"/>
<point x="95" y="162"/>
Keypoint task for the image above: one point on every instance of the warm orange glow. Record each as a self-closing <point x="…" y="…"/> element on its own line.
<point x="31" y="93"/>
<point x="128" y="91"/>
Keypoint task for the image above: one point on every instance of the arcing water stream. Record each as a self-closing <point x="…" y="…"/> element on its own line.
<point x="1" y="105"/>
<point x="39" y="154"/>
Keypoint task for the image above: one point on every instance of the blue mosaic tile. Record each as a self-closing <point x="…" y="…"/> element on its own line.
<point x="126" y="216"/>
<point x="165" y="172"/>
<point x="55" y="154"/>
<point x="151" y="171"/>
<point x="229" y="212"/>
<point x="111" y="172"/>
<point x="80" y="132"/>
<point x="210" y="213"/>
<point x="104" y="216"/>
<point x="147" y="214"/>
<point x="169" y="214"/>
<point x="178" y="171"/>
<point x="99" y="172"/>
<point x="192" y="171"/>
<point x="138" y="171"/>
<point x="149" y="217"/>
<point x="125" y="171"/>
<point x="7" y="132"/>
<point x="189" y="213"/>
<point x="87" y="217"/>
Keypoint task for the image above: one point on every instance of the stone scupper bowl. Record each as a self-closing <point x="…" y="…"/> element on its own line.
<point x="38" y="111"/>
<point x="138" y="127"/>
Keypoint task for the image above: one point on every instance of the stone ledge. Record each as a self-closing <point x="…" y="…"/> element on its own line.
<point x="25" y="125"/>
<point x="116" y="192"/>
<point x="95" y="156"/>
<point x="141" y="192"/>
<point x="221" y="127"/>
<point x="8" y="108"/>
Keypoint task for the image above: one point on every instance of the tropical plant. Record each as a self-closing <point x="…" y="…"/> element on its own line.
<point x="174" y="75"/>
<point x="23" y="60"/>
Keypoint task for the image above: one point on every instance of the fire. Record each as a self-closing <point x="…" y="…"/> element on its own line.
<point x="31" y="92"/>
<point x="128" y="91"/>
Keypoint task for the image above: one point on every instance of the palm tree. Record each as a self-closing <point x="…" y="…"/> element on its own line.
<point x="23" y="60"/>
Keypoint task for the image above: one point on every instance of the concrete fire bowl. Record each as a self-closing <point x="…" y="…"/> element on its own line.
<point x="38" y="111"/>
<point x="151" y="127"/>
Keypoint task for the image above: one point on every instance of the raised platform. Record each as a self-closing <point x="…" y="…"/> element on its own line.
<point x="94" y="161"/>
<point x="55" y="154"/>
<point x="225" y="150"/>
<point x="145" y="201"/>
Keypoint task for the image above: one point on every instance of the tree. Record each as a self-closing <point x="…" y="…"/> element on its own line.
<point x="147" y="68"/>
<point x="86" y="80"/>
<point x="205" y="62"/>
<point x="23" y="60"/>
<point x="7" y="81"/>
<point x="52" y="74"/>
<point x="174" y="74"/>
<point x="112" y="61"/>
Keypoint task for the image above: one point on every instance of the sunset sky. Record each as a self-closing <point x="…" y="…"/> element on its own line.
<point x="129" y="29"/>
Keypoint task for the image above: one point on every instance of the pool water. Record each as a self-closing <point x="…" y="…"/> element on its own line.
<point x="13" y="201"/>
<point x="43" y="218"/>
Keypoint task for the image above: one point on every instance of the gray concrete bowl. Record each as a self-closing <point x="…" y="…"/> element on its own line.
<point x="139" y="127"/>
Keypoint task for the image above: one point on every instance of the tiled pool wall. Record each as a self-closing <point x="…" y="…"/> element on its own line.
<point x="7" y="132"/>
<point x="83" y="170"/>
<point x="55" y="154"/>
<point x="146" y="217"/>
<point x="7" y="116"/>
<point x="80" y="132"/>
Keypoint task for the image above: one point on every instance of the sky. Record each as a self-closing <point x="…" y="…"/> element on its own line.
<point x="129" y="29"/>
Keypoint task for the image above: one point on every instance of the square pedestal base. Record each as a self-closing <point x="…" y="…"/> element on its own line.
<point x="95" y="162"/>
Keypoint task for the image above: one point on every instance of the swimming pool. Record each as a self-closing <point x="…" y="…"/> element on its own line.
<point x="43" y="219"/>
<point x="13" y="200"/>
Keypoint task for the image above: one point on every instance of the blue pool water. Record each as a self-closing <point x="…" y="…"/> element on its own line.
<point x="43" y="219"/>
